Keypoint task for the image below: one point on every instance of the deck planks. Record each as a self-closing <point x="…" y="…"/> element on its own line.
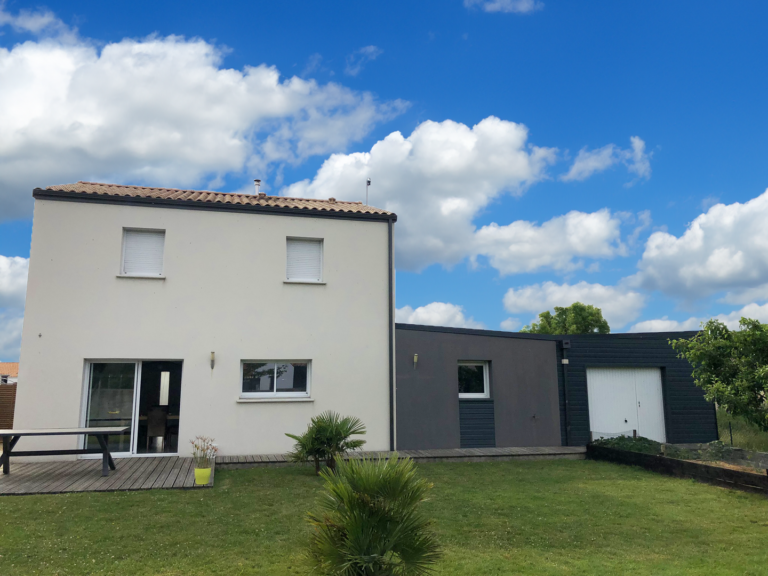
<point x="437" y="455"/>
<point x="165" y="472"/>
<point x="84" y="475"/>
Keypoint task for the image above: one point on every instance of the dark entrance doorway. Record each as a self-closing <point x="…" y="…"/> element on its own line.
<point x="159" y="407"/>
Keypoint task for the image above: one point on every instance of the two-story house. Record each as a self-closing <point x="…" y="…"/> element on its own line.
<point x="181" y="313"/>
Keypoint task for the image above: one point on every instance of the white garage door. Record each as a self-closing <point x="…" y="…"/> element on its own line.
<point x="625" y="399"/>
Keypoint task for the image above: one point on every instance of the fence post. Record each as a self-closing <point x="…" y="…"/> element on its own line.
<point x="730" y="431"/>
<point x="634" y="433"/>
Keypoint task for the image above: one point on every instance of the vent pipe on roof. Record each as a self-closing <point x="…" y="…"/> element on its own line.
<point x="257" y="185"/>
<point x="367" y="185"/>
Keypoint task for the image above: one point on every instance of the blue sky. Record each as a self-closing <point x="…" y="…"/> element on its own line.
<point x="497" y="222"/>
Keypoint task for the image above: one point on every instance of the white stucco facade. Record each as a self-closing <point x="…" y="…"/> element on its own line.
<point x="224" y="291"/>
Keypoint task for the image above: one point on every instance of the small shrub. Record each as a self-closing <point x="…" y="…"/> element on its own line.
<point x="671" y="451"/>
<point x="309" y="447"/>
<point x="328" y="438"/>
<point x="715" y="451"/>
<point x="639" y="444"/>
<point x="369" y="521"/>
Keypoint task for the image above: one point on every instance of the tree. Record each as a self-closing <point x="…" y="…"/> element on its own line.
<point x="328" y="437"/>
<point x="369" y="523"/>
<point x="577" y="318"/>
<point x="731" y="366"/>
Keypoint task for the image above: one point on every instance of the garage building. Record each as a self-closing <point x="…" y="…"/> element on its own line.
<point x="461" y="388"/>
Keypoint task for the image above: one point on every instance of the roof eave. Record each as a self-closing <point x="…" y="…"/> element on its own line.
<point x="67" y="196"/>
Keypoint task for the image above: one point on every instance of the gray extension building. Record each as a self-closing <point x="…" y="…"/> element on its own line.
<point x="460" y="388"/>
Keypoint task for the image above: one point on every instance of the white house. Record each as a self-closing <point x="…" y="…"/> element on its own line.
<point x="9" y="372"/>
<point x="183" y="313"/>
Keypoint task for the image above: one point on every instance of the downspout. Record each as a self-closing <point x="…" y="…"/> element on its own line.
<point x="390" y="226"/>
<point x="564" y="364"/>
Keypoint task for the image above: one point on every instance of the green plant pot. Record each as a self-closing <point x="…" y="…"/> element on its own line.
<point x="202" y="476"/>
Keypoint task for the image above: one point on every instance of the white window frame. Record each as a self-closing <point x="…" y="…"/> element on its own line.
<point x="486" y="379"/>
<point x="275" y="393"/>
<point x="322" y="261"/>
<point x="122" y="272"/>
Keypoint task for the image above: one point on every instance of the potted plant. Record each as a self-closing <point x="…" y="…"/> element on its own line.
<point x="204" y="454"/>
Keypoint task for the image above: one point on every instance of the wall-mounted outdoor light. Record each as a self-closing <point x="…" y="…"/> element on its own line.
<point x="213" y="359"/>
<point x="415" y="360"/>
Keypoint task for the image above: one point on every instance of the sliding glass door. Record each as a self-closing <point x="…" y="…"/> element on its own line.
<point x="144" y="396"/>
<point x="110" y="400"/>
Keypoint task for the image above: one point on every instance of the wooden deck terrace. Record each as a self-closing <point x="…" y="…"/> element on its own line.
<point x="157" y="472"/>
<point x="82" y="475"/>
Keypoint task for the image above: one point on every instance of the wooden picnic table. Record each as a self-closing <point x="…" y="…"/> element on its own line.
<point x="11" y="437"/>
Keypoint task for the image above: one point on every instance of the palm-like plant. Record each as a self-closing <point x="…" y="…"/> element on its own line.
<point x="369" y="522"/>
<point x="328" y="437"/>
<point x="308" y="447"/>
<point x="336" y="434"/>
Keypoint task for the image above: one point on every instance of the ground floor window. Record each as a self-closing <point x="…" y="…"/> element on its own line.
<point x="275" y="378"/>
<point x="473" y="380"/>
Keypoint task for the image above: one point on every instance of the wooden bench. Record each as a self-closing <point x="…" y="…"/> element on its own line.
<point x="11" y="438"/>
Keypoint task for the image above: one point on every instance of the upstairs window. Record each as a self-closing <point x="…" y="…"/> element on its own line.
<point x="304" y="260"/>
<point x="473" y="380"/>
<point x="142" y="252"/>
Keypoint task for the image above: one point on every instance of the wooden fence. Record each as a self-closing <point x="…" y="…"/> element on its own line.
<point x="7" y="405"/>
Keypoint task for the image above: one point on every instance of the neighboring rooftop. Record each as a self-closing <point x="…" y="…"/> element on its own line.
<point x="170" y="196"/>
<point x="9" y="369"/>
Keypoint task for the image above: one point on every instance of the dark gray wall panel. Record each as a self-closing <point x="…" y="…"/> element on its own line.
<point x="688" y="416"/>
<point x="476" y="424"/>
<point x="523" y="386"/>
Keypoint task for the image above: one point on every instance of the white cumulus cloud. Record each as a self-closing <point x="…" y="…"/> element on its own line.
<point x="664" y="324"/>
<point x="511" y="324"/>
<point x="359" y="58"/>
<point x="619" y="305"/>
<point x="724" y="249"/>
<point x="13" y="281"/>
<point x="436" y="314"/>
<point x="35" y="22"/>
<point x="158" y="110"/>
<point x="516" y="6"/>
<point x="13" y="290"/>
<point x="441" y="177"/>
<point x="557" y="243"/>
<point x="589" y="162"/>
<point x="10" y="336"/>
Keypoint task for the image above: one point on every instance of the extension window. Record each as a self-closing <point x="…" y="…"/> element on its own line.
<point x="473" y="380"/>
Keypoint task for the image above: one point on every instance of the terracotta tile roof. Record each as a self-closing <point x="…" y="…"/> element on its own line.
<point x="172" y="194"/>
<point x="9" y="369"/>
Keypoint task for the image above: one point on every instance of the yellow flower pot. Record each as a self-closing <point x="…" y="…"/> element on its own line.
<point x="202" y="476"/>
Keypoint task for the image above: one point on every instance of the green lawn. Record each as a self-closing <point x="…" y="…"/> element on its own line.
<point x="745" y="435"/>
<point x="549" y="517"/>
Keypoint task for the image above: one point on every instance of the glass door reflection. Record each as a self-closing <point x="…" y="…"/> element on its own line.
<point x="110" y="401"/>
